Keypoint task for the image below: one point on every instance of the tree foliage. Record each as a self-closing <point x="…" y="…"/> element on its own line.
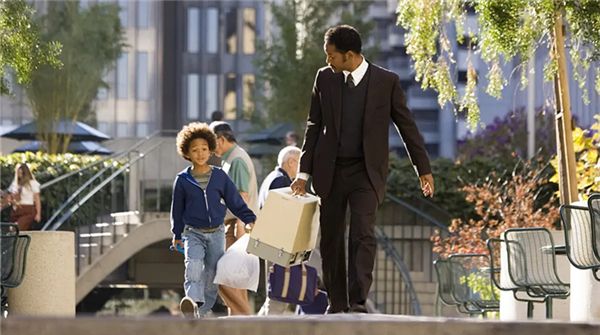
<point x="450" y="178"/>
<point x="287" y="64"/>
<point x="92" y="40"/>
<point x="506" y="138"/>
<point x="585" y="144"/>
<point x="46" y="167"/>
<point x="20" y="46"/>
<point x="509" y="31"/>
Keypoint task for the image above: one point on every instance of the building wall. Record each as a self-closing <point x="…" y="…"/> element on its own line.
<point x="130" y="107"/>
<point x="209" y="50"/>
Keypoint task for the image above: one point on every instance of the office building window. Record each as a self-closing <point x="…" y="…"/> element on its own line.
<point x="102" y="93"/>
<point x="193" y="96"/>
<point x="229" y="105"/>
<point x="124" y="12"/>
<point x="427" y="120"/>
<point x="249" y="31"/>
<point x="211" y="90"/>
<point x="141" y="87"/>
<point x="105" y="127"/>
<point x="193" y="30"/>
<point x="123" y="129"/>
<point x="143" y="13"/>
<point x="231" y="31"/>
<point x="212" y="30"/>
<point x="142" y="129"/>
<point x="248" y="94"/>
<point x="122" y="76"/>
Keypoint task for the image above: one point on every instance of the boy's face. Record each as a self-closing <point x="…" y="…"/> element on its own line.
<point x="199" y="153"/>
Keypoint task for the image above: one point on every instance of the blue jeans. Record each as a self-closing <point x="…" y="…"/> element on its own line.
<point x="202" y="252"/>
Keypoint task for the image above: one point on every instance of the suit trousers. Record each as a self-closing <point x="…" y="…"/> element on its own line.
<point x="236" y="299"/>
<point x="351" y="187"/>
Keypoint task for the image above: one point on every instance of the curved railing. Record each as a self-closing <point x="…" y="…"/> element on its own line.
<point x="390" y="297"/>
<point x="69" y="206"/>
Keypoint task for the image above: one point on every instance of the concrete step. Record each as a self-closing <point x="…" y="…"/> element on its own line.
<point x="131" y="217"/>
<point x="104" y="238"/>
<point x="347" y="324"/>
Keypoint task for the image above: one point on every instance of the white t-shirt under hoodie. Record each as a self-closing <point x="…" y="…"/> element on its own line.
<point x="27" y="191"/>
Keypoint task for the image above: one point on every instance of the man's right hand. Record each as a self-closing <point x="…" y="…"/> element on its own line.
<point x="298" y="187"/>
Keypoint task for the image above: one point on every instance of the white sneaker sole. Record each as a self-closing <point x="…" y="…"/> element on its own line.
<point x="187" y="308"/>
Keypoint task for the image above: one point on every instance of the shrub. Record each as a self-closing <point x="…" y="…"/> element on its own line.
<point x="46" y="167"/>
<point x="519" y="201"/>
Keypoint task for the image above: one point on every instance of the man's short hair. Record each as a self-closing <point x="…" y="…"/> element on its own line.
<point x="345" y="38"/>
<point x="223" y="129"/>
<point x="191" y="132"/>
<point x="292" y="135"/>
<point x="216" y="116"/>
<point x="286" y="153"/>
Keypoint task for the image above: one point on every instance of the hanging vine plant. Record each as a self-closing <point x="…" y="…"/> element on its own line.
<point x="507" y="30"/>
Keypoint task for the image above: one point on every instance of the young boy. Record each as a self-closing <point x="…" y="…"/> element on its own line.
<point x="201" y="196"/>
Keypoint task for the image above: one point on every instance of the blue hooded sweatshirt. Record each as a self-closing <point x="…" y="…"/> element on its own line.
<point x="199" y="208"/>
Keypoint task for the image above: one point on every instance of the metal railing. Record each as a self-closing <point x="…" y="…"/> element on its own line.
<point x="100" y="180"/>
<point x="403" y="234"/>
<point x="114" y="193"/>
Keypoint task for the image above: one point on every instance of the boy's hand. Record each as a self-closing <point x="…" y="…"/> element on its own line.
<point x="177" y="243"/>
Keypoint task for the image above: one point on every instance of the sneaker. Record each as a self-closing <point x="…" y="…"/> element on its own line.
<point x="188" y="308"/>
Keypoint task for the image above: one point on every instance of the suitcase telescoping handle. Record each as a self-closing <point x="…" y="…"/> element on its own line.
<point x="286" y="283"/>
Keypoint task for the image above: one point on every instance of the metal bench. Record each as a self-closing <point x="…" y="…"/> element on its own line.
<point x="531" y="267"/>
<point x="13" y="258"/>
<point x="464" y="282"/>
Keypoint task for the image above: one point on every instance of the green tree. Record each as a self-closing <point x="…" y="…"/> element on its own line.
<point x="508" y="31"/>
<point x="287" y="64"/>
<point x="92" y="40"/>
<point x="20" y="47"/>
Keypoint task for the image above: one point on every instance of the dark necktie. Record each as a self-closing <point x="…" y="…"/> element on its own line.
<point x="350" y="81"/>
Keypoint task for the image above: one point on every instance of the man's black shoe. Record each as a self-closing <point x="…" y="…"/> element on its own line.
<point x="332" y="311"/>
<point x="358" y="308"/>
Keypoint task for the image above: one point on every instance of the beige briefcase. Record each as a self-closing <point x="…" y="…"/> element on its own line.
<point x="286" y="228"/>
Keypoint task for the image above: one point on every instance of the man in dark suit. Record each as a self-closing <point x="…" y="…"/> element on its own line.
<point x="345" y="151"/>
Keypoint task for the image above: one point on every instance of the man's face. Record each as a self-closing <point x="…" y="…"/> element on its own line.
<point x="337" y="60"/>
<point x="199" y="153"/>
<point x="219" y="150"/>
<point x="291" y="166"/>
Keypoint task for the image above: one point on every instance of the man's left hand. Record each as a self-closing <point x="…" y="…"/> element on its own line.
<point x="427" y="185"/>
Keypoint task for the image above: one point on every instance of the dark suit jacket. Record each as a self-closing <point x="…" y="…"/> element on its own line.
<point x="385" y="101"/>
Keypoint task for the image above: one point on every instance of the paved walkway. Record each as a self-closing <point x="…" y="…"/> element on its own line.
<point x="348" y="324"/>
